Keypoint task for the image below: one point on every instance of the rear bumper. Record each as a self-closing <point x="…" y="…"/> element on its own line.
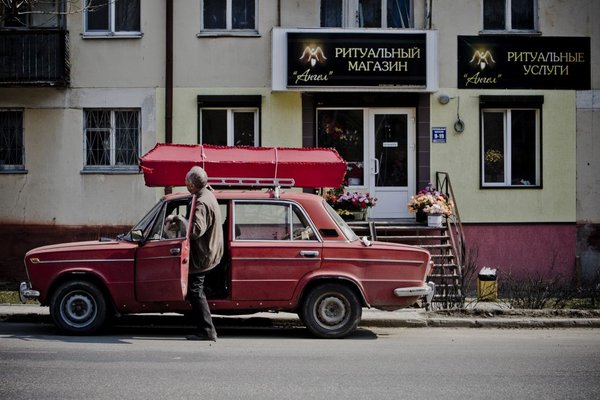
<point x="427" y="290"/>
<point x="27" y="293"/>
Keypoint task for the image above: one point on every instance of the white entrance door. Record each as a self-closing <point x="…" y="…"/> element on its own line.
<point x="392" y="161"/>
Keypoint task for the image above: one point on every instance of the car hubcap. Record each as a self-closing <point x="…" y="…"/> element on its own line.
<point x="331" y="311"/>
<point x="78" y="309"/>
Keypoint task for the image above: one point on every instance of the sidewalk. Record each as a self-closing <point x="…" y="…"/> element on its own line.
<point x="480" y="315"/>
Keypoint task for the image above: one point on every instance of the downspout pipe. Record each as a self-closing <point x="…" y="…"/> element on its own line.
<point x="169" y="77"/>
<point x="169" y="73"/>
<point x="429" y="14"/>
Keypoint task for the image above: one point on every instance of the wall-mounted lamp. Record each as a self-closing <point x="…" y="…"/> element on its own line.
<point x="444" y="98"/>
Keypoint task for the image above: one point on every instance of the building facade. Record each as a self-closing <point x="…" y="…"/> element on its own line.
<point x="499" y="94"/>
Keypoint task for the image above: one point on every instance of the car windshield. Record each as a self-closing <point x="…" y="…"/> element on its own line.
<point x="145" y="223"/>
<point x="348" y="232"/>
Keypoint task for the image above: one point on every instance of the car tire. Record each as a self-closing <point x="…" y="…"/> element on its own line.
<point x="78" y="308"/>
<point x="331" y="311"/>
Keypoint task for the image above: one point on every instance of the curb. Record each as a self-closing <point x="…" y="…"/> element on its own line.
<point x="371" y="318"/>
<point x="529" y="323"/>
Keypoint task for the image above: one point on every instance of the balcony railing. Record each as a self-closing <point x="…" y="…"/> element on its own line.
<point x="34" y="58"/>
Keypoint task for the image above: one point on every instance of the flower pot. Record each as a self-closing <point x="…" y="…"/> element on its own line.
<point x="353" y="181"/>
<point x="359" y="215"/>
<point x="434" y="220"/>
<point x="421" y="216"/>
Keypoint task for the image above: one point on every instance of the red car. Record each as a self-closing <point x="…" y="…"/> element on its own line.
<point x="284" y="252"/>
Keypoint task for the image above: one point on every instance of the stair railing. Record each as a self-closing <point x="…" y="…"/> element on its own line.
<point x="455" y="228"/>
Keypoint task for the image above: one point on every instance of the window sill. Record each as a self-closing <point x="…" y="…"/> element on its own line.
<point x="13" y="171"/>
<point x="111" y="171"/>
<point x="511" y="33"/>
<point x="112" y="35"/>
<point x="517" y="187"/>
<point x="213" y="34"/>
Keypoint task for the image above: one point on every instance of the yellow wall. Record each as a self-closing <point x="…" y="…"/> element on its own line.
<point x="554" y="202"/>
<point x="281" y="115"/>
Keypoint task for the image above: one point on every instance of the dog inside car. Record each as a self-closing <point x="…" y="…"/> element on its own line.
<point x="175" y="226"/>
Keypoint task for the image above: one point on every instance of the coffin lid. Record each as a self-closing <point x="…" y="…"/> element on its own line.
<point x="168" y="164"/>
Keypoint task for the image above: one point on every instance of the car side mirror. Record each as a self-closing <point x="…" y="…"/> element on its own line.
<point x="137" y="235"/>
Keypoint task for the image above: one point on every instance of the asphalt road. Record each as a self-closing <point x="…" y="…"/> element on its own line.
<point x="287" y="363"/>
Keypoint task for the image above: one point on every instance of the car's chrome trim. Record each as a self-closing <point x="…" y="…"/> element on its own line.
<point x="373" y="260"/>
<point x="428" y="290"/>
<point x="304" y="259"/>
<point x="158" y="258"/>
<point x="38" y="261"/>
<point x="27" y="293"/>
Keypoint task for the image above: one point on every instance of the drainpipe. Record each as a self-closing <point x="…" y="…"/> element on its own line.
<point x="169" y="73"/>
<point x="428" y="14"/>
<point x="169" y="78"/>
<point x="278" y="13"/>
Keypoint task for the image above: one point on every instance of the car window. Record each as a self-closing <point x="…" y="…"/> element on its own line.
<point x="348" y="232"/>
<point x="172" y="222"/>
<point x="148" y="218"/>
<point x="271" y="221"/>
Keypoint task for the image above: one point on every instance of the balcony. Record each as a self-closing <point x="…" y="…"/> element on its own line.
<point x="34" y="58"/>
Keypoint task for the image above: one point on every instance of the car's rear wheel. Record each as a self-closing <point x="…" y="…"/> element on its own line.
<point x="331" y="311"/>
<point x="78" y="307"/>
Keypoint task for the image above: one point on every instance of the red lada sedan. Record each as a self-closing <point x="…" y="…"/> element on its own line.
<point x="283" y="252"/>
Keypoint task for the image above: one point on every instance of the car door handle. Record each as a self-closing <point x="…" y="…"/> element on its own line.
<point x="175" y="251"/>
<point x="309" y="253"/>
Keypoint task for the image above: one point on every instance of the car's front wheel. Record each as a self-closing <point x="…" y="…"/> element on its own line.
<point x="331" y="311"/>
<point x="78" y="307"/>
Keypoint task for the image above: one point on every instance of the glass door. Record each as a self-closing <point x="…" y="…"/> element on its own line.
<point x="392" y="153"/>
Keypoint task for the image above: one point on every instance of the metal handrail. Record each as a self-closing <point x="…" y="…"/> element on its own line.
<point x="455" y="228"/>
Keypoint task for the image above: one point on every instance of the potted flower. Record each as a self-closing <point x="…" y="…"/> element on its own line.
<point x="355" y="174"/>
<point x="429" y="202"/>
<point x="350" y="205"/>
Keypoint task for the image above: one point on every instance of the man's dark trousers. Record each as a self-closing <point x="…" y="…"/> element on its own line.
<point x="197" y="299"/>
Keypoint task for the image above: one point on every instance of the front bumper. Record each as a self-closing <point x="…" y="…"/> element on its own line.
<point x="27" y="293"/>
<point x="428" y="291"/>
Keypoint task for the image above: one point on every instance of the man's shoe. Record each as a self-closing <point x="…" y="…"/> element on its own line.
<point x="202" y="337"/>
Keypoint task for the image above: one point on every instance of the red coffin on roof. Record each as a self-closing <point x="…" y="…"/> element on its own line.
<point x="167" y="165"/>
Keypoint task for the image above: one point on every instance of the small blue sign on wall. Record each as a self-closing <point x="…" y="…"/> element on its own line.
<point x="438" y="135"/>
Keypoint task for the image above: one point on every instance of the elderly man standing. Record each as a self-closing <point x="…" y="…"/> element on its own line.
<point x="206" y="250"/>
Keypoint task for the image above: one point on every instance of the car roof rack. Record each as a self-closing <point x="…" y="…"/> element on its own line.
<point x="251" y="182"/>
<point x="275" y="184"/>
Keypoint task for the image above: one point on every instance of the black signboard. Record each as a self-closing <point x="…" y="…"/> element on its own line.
<point x="356" y="59"/>
<point x="523" y="62"/>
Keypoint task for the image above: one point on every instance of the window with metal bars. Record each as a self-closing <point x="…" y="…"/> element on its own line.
<point x="11" y="140"/>
<point x="111" y="139"/>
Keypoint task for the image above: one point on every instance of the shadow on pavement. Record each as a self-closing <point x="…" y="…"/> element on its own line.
<point x="161" y="327"/>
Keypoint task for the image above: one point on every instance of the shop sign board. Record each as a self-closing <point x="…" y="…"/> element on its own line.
<point x="523" y="62"/>
<point x="334" y="59"/>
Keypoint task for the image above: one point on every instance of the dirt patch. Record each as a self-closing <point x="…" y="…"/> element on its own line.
<point x="515" y="313"/>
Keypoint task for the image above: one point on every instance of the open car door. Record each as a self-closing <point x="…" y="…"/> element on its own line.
<point x="162" y="260"/>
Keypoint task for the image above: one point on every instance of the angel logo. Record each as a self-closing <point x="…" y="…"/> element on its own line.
<point x="313" y="55"/>
<point x="481" y="59"/>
